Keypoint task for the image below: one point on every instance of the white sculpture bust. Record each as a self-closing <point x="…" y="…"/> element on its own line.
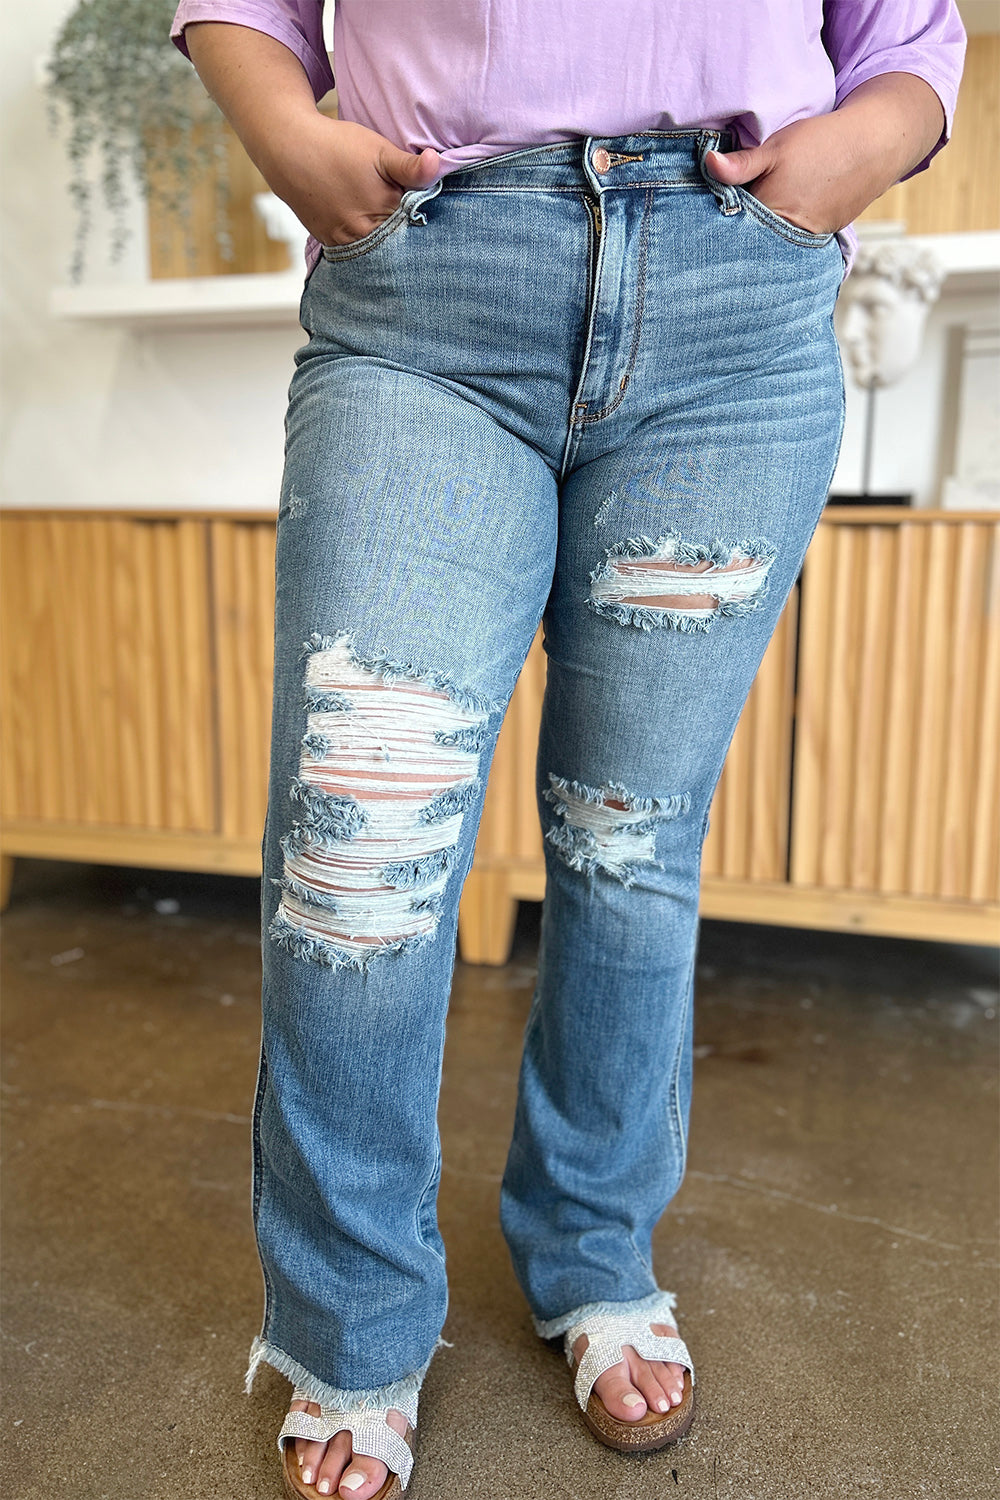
<point x="887" y="297"/>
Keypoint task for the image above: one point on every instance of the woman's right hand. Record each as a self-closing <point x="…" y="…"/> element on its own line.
<point x="341" y="179"/>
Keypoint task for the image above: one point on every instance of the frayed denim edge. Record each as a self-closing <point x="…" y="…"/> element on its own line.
<point x="717" y="552"/>
<point x="390" y="670"/>
<point x="318" y="950"/>
<point x="561" y="789"/>
<point x="659" y="1305"/>
<point x="647" y="618"/>
<point x="399" y="1394"/>
<point x="579" y="850"/>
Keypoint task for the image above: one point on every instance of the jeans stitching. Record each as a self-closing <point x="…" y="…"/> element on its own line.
<point x="421" y="1201"/>
<point x="573" y="149"/>
<point x="771" y="220"/>
<point x="258" y="1180"/>
<point x="618" y="187"/>
<point x="637" y="325"/>
<point x="575" y="422"/>
<point x="361" y="247"/>
<point x="575" y="144"/>
<point x="673" y="1093"/>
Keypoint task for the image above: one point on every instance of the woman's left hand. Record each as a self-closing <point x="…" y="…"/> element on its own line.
<point x="821" y="173"/>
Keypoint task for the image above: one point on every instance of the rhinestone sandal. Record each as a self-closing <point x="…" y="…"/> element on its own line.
<point x="371" y="1437"/>
<point x="606" y="1332"/>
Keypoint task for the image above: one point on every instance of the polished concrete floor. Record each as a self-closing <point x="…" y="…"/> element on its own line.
<point x="834" y="1245"/>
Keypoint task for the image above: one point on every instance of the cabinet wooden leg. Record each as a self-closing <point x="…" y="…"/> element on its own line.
<point x="6" y="876"/>
<point x="486" y="916"/>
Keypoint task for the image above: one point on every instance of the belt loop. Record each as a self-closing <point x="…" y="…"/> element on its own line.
<point x="416" y="196"/>
<point x="596" y="186"/>
<point x="729" y="198"/>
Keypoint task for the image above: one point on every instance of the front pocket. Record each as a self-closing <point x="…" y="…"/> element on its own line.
<point x="375" y="237"/>
<point x="775" y="222"/>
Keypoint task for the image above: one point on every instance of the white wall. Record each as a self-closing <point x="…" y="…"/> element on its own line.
<point x="914" y="421"/>
<point x="105" y="416"/>
<point x="96" y="416"/>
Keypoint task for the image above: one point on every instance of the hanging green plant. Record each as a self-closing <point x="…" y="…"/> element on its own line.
<point x="137" y="113"/>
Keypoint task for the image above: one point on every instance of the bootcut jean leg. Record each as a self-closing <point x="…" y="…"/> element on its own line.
<point x="709" y="421"/>
<point x="404" y="609"/>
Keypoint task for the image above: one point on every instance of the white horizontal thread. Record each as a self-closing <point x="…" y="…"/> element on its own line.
<point x="638" y="578"/>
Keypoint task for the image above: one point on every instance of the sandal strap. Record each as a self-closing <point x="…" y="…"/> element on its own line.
<point x="371" y="1435"/>
<point x="606" y="1334"/>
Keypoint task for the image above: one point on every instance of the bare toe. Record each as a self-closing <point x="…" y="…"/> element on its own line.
<point x="670" y="1375"/>
<point x="364" y="1477"/>
<point x="619" y="1395"/>
<point x="648" y="1379"/>
<point x="310" y="1455"/>
<point x="336" y="1460"/>
<point x="673" y="1382"/>
<point x="638" y="1385"/>
<point x="356" y="1477"/>
<point x="614" y="1387"/>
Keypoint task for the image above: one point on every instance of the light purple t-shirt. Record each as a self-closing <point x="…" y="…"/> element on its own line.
<point x="474" y="78"/>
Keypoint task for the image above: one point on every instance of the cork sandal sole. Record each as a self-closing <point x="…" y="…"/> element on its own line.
<point x="296" y="1490"/>
<point x="649" y="1432"/>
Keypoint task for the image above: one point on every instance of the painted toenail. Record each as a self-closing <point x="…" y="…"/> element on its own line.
<point x="352" y="1481"/>
<point x="663" y="1406"/>
<point x="324" y="1486"/>
<point x="632" y="1399"/>
<point x="307" y="1476"/>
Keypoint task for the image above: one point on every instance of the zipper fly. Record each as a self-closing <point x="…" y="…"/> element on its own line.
<point x="594" y="209"/>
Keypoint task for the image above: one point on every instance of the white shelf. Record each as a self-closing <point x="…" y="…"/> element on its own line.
<point x="264" y="299"/>
<point x="972" y="261"/>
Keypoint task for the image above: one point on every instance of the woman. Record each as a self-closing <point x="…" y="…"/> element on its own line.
<point x="571" y="360"/>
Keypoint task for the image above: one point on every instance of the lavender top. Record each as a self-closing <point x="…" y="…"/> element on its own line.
<point x="474" y="78"/>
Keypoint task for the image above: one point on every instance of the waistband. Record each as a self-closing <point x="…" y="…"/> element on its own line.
<point x="648" y="158"/>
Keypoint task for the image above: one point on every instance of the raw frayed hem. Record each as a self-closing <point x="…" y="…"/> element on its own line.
<point x="659" y="1305"/>
<point x="399" y="1394"/>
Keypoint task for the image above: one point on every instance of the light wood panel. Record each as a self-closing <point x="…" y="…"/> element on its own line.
<point x="105" y="669"/>
<point x="135" y="669"/>
<point x="748" y="820"/>
<point x="850" y="911"/>
<point x="509" y="843"/>
<point x="897" y="773"/>
<point x="509" y="829"/>
<point x="960" y="190"/>
<point x="242" y="571"/>
<point x="171" y="254"/>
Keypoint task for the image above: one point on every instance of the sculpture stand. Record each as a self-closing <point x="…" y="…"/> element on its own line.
<point x="866" y="462"/>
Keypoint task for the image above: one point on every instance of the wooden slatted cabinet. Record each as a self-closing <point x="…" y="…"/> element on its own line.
<point x="861" y="789"/>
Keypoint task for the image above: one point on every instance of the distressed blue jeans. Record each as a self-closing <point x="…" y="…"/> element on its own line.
<point x="585" y="386"/>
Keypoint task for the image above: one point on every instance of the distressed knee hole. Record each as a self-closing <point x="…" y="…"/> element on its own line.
<point x="608" y="828"/>
<point x="680" y="585"/>
<point x="389" y="763"/>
